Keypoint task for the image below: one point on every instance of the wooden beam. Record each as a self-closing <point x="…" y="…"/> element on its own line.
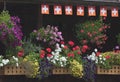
<point x="71" y="2"/>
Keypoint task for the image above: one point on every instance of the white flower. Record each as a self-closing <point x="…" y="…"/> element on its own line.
<point x="96" y="61"/>
<point x="57" y="53"/>
<point x="95" y="50"/>
<point x="58" y="50"/>
<point x="53" y="61"/>
<point x="5" y="61"/>
<point x="63" y="59"/>
<point x="92" y="56"/>
<point x="104" y="59"/>
<point x="17" y="64"/>
<point x="62" y="45"/>
<point x="57" y="46"/>
<point x="100" y="55"/>
<point x="101" y="61"/>
<point x="100" y="58"/>
<point x="53" y="53"/>
<point x="1" y="64"/>
<point x="15" y="58"/>
<point x="0" y="56"/>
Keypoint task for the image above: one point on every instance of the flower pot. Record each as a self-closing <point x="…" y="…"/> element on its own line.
<point x="60" y="70"/>
<point x="115" y="70"/>
<point x="12" y="70"/>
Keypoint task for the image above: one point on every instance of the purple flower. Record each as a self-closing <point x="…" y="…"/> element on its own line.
<point x="11" y="34"/>
<point x="56" y="29"/>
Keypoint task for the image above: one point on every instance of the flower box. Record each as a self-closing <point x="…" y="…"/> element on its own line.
<point x="12" y="70"/>
<point x="60" y="70"/>
<point x="115" y="70"/>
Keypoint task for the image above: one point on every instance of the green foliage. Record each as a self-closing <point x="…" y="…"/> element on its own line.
<point x="5" y="18"/>
<point x="92" y="32"/>
<point x="29" y="46"/>
<point x="31" y="64"/>
<point x="108" y="59"/>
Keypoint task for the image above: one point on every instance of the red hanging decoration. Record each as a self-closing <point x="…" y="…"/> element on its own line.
<point x="68" y="10"/>
<point x="91" y="11"/>
<point x="114" y="12"/>
<point x="45" y="9"/>
<point x="57" y="10"/>
<point x="103" y="11"/>
<point x="80" y="10"/>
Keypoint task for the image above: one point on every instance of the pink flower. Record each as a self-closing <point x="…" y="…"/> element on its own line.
<point x="84" y="41"/>
<point x="73" y="49"/>
<point x="93" y="24"/>
<point x="71" y="43"/>
<point x="81" y="31"/>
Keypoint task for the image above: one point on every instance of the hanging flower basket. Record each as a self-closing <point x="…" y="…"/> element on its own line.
<point x="12" y="70"/>
<point x="60" y="70"/>
<point x="115" y="70"/>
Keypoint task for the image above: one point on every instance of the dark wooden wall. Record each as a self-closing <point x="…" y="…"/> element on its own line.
<point x="30" y="19"/>
<point x="59" y="78"/>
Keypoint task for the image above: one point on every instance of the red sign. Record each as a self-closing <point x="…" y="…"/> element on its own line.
<point x="45" y="9"/>
<point x="57" y="10"/>
<point x="68" y="10"/>
<point x="91" y="11"/>
<point x="114" y="12"/>
<point x="103" y="11"/>
<point x="80" y="10"/>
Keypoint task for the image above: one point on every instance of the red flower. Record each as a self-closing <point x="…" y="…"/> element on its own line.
<point x="21" y="53"/>
<point x="97" y="54"/>
<point x="65" y="47"/>
<point x="71" y="43"/>
<point x="42" y="55"/>
<point x="107" y="57"/>
<point x="79" y="52"/>
<point x="48" y="50"/>
<point x="62" y="42"/>
<point x="42" y="51"/>
<point x="85" y="47"/>
<point x="77" y="47"/>
<point x="83" y="50"/>
<point x="70" y="55"/>
<point x="49" y="55"/>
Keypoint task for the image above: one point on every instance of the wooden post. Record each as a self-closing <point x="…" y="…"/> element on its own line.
<point x="40" y="17"/>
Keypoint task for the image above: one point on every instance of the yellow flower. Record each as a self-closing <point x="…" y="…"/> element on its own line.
<point x="76" y="69"/>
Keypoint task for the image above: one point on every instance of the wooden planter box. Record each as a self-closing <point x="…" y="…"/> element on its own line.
<point x="114" y="71"/>
<point x="60" y="70"/>
<point x="12" y="70"/>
